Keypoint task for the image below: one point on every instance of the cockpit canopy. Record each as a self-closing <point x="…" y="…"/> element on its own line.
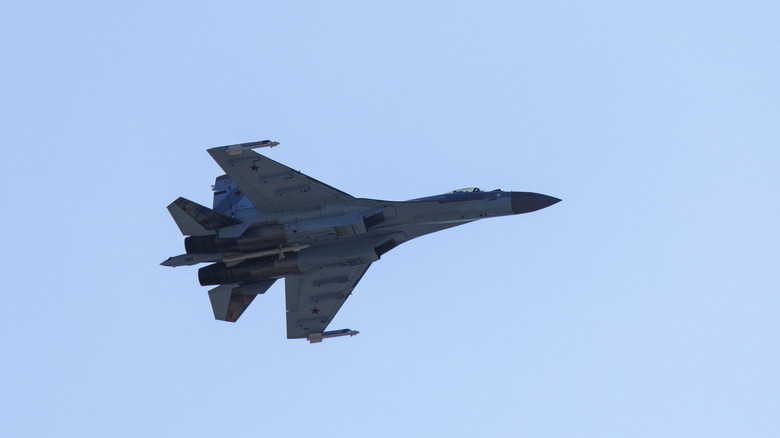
<point x="466" y="190"/>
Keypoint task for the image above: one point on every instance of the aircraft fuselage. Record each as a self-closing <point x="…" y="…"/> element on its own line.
<point x="361" y="236"/>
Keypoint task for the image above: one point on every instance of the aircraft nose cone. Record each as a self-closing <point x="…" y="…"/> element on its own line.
<point x="526" y="202"/>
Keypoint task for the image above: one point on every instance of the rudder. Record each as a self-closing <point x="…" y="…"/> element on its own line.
<point x="229" y="200"/>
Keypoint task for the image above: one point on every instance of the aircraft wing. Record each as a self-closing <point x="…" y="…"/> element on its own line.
<point x="273" y="187"/>
<point x="314" y="298"/>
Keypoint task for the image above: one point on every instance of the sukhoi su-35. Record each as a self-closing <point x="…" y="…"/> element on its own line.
<point x="269" y="222"/>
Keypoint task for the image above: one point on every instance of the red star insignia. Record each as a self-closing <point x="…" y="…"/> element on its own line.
<point x="315" y="311"/>
<point x="253" y="167"/>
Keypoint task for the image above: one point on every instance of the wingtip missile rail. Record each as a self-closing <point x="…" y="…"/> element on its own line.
<point x="237" y="149"/>
<point x="313" y="338"/>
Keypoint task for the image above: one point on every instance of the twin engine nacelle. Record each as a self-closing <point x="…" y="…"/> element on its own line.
<point x="271" y="234"/>
<point x="254" y="238"/>
<point x="249" y="271"/>
<point x="360" y="252"/>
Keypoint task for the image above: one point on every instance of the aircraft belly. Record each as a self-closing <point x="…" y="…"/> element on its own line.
<point x="354" y="252"/>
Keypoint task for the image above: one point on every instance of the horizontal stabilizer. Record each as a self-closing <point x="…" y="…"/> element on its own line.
<point x="230" y="300"/>
<point x="194" y="219"/>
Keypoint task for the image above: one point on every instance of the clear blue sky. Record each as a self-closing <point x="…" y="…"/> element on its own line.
<point x="646" y="304"/>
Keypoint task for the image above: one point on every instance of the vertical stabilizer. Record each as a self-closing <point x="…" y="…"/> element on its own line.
<point x="229" y="200"/>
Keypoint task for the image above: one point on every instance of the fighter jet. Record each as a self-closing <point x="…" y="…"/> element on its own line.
<point x="269" y="222"/>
